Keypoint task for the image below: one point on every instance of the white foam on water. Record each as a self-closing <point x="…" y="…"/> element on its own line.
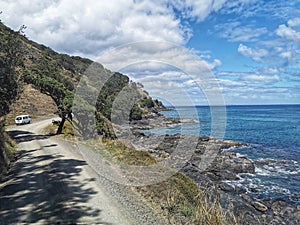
<point x="274" y="167"/>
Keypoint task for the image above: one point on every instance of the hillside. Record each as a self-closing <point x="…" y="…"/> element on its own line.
<point x="32" y="102"/>
<point x="39" y="81"/>
<point x="57" y="76"/>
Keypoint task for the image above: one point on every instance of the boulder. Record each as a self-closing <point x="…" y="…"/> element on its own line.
<point x="259" y="206"/>
<point x="228" y="165"/>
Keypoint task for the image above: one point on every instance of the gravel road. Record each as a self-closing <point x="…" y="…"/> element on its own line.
<point x="51" y="182"/>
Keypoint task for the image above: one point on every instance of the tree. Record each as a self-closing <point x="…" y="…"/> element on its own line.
<point x="11" y="54"/>
<point x="62" y="97"/>
<point x="11" y="57"/>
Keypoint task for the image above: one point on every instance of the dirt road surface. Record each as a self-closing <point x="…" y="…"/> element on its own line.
<point x="51" y="183"/>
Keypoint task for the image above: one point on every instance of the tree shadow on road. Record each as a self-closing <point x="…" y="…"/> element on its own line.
<point x="25" y="136"/>
<point x="44" y="189"/>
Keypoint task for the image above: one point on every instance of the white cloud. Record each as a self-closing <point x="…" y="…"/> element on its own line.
<point x="87" y="27"/>
<point x="163" y="67"/>
<point x="287" y="55"/>
<point x="197" y="9"/>
<point x="294" y="22"/>
<point x="229" y="73"/>
<point x="271" y="70"/>
<point x="231" y="84"/>
<point x="262" y="79"/>
<point x="255" y="54"/>
<point x="246" y="7"/>
<point x="200" y="9"/>
<point x="154" y="53"/>
<point x="92" y="26"/>
<point x="288" y="33"/>
<point x="236" y="32"/>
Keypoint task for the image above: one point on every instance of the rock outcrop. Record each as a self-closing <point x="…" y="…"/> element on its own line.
<point x="214" y="172"/>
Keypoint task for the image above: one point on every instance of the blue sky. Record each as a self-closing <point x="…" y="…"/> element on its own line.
<point x="246" y="51"/>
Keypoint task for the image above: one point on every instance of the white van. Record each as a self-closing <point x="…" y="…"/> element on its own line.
<point x="22" y="119"/>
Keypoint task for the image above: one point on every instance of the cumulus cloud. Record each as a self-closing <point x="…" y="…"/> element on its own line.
<point x="255" y="54"/>
<point x="294" y="22"/>
<point x="130" y="36"/>
<point x="150" y="53"/>
<point x="88" y="27"/>
<point x="163" y="68"/>
<point x="91" y="26"/>
<point x="288" y="33"/>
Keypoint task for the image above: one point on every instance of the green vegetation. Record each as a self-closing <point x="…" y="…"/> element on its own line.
<point x="147" y="103"/>
<point x="121" y="152"/>
<point x="11" y="58"/>
<point x="7" y="149"/>
<point x="68" y="131"/>
<point x="180" y="200"/>
<point x="124" y="153"/>
<point x="136" y="113"/>
<point x="104" y="126"/>
<point x="59" y="93"/>
<point x="55" y="75"/>
<point x="108" y="93"/>
<point x="58" y="76"/>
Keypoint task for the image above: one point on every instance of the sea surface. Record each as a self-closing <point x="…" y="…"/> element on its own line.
<point x="272" y="133"/>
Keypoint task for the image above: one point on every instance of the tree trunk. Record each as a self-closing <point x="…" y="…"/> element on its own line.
<point x="61" y="125"/>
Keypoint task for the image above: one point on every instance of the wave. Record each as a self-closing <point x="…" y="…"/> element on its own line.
<point x="272" y="167"/>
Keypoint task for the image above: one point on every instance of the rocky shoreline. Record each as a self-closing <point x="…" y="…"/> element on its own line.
<point x="210" y="164"/>
<point x="154" y="120"/>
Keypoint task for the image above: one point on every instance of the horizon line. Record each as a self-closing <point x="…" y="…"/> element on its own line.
<point x="273" y="104"/>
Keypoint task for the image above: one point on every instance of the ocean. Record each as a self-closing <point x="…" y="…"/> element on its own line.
<point x="272" y="134"/>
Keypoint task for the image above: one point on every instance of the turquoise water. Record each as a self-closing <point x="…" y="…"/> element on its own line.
<point x="272" y="133"/>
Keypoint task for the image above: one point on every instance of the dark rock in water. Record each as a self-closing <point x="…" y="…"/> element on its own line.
<point x="240" y="190"/>
<point x="228" y="165"/>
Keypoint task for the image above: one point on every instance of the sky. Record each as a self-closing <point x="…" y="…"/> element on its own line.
<point x="183" y="52"/>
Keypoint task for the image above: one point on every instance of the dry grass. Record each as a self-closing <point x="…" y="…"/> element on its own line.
<point x="7" y="150"/>
<point x="122" y="152"/>
<point x="67" y="133"/>
<point x="180" y="201"/>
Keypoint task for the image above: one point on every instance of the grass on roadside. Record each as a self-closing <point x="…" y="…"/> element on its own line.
<point x="118" y="150"/>
<point x="122" y="152"/>
<point x="180" y="201"/>
<point x="67" y="133"/>
<point x="7" y="150"/>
